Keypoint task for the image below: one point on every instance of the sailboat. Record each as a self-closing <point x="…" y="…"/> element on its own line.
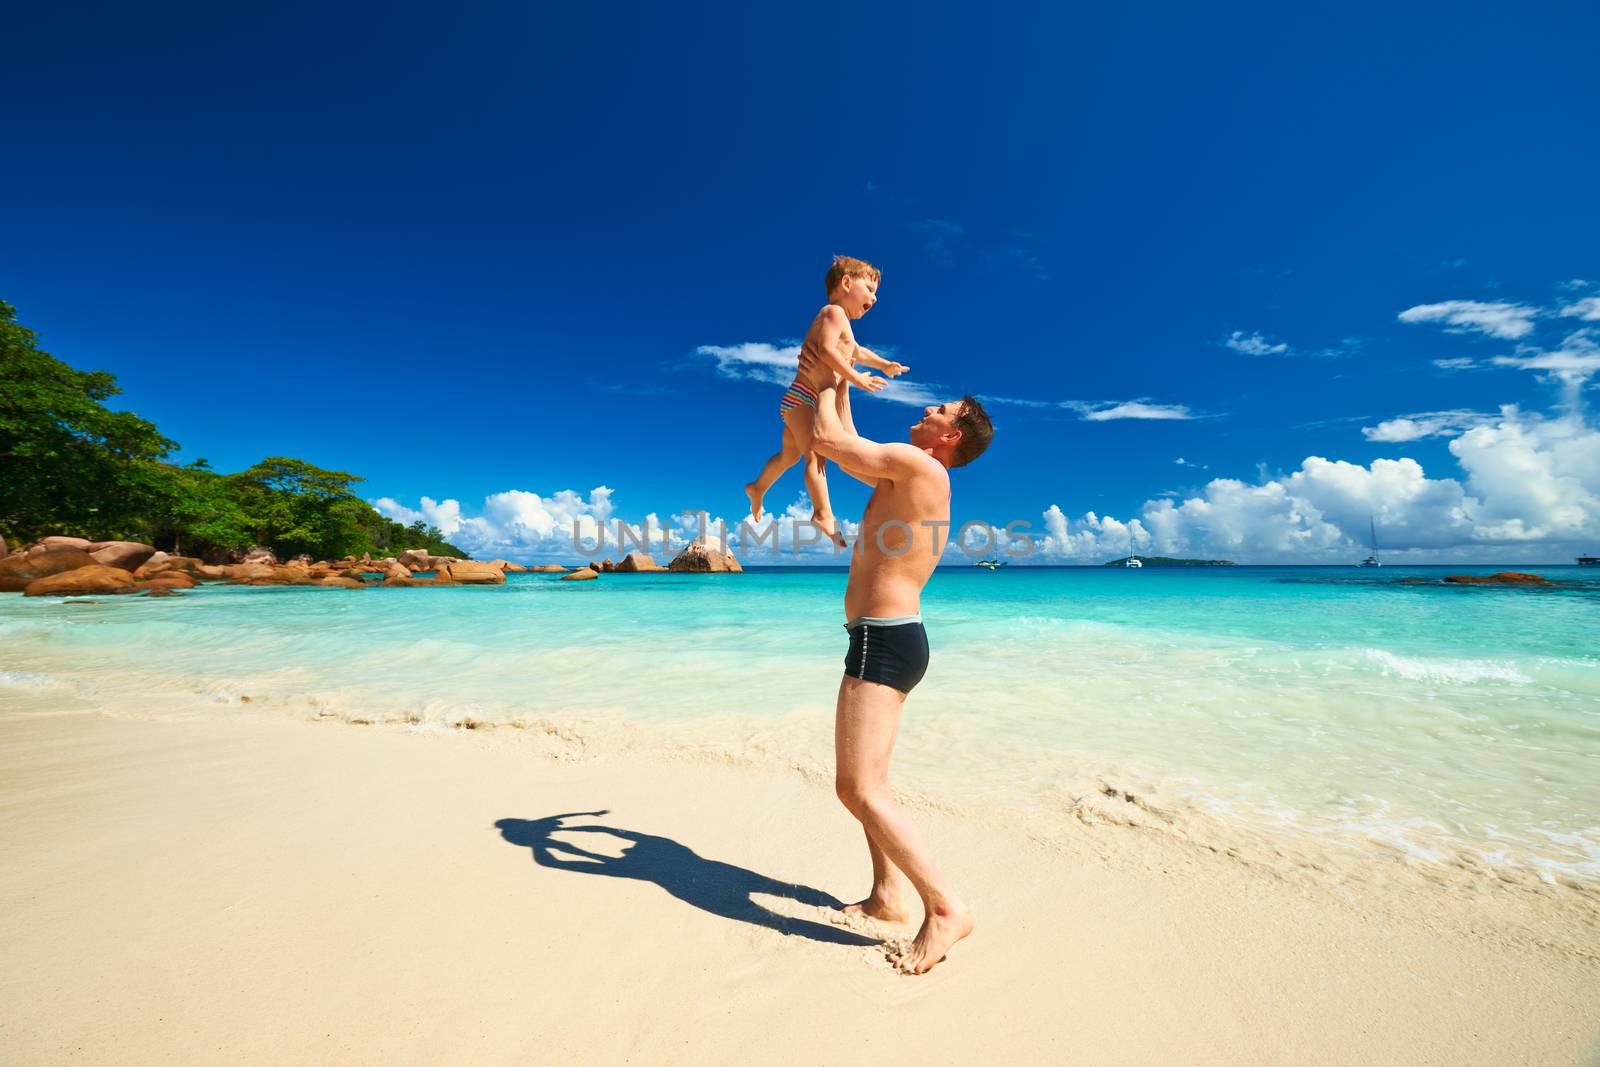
<point x="1372" y="560"/>
<point x="1132" y="560"/>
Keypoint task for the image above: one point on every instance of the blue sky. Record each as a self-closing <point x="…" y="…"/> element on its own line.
<point x="476" y="252"/>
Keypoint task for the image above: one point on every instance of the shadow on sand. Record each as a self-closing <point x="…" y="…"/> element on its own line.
<point x="710" y="885"/>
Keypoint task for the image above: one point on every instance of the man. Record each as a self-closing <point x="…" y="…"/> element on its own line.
<point x="903" y="533"/>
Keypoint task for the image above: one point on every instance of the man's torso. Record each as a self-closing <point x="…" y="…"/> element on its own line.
<point x="903" y="533"/>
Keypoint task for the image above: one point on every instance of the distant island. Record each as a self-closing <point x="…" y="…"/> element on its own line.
<point x="1168" y="561"/>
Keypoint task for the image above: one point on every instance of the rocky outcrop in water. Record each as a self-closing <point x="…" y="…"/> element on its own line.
<point x="41" y="561"/>
<point x="83" y="581"/>
<point x="638" y="563"/>
<point x="145" y="569"/>
<point x="129" y="555"/>
<point x="1502" y="578"/>
<point x="471" y="573"/>
<point x="702" y="557"/>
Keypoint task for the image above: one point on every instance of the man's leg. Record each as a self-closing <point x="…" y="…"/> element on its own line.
<point x="887" y="899"/>
<point x="865" y="726"/>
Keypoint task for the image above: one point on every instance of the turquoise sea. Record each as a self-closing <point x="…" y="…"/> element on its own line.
<point x="1338" y="708"/>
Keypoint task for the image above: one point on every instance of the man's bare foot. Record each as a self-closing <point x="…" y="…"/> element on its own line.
<point x="876" y="908"/>
<point x="939" y="931"/>
<point x="830" y="526"/>
<point x="755" y="495"/>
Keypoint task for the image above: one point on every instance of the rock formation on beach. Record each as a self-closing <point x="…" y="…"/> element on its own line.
<point x="704" y="557"/>
<point x="40" y="561"/>
<point x="638" y="563"/>
<point x="75" y="566"/>
<point x="82" y="581"/>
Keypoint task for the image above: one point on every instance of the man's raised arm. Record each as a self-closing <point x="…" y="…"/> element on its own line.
<point x="869" y="461"/>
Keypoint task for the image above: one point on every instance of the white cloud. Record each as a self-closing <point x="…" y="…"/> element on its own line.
<point x="918" y="394"/>
<point x="1106" y="410"/>
<point x="567" y="527"/>
<point x="1425" y="424"/>
<point x="1498" y="319"/>
<point x="1103" y="410"/>
<point x="1456" y="363"/>
<point x="1528" y="484"/>
<point x="756" y="360"/>
<point x="988" y="399"/>
<point x="1587" y="309"/>
<point x="1571" y="364"/>
<point x="515" y="524"/>
<point x="1254" y="344"/>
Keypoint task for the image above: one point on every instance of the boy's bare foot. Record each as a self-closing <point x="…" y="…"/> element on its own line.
<point x="755" y="495"/>
<point x="940" y="930"/>
<point x="884" y="911"/>
<point x="830" y="526"/>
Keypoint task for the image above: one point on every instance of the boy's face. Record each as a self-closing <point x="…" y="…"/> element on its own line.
<point x="857" y="295"/>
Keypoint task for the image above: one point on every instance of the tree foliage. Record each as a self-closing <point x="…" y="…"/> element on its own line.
<point x="70" y="465"/>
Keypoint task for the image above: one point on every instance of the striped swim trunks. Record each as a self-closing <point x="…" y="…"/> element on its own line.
<point x="798" y="393"/>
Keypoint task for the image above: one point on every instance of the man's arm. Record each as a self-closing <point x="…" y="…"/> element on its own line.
<point x="869" y="461"/>
<point x="839" y="399"/>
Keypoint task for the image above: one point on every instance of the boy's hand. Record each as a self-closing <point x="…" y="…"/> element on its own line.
<point x="894" y="370"/>
<point x="871" y="384"/>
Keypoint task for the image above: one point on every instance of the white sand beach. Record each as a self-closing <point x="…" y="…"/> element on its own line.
<point x="282" y="892"/>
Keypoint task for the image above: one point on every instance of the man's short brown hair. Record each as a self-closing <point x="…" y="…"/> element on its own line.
<point x="976" y="432"/>
<point x="846" y="267"/>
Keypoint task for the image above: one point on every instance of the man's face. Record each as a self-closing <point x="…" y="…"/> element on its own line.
<point x="859" y="296"/>
<point x="937" y="420"/>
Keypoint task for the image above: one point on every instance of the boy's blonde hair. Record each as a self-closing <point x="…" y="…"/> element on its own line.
<point x="847" y="267"/>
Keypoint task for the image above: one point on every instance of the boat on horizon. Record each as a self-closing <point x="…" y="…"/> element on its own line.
<point x="1372" y="560"/>
<point x="992" y="564"/>
<point x="1589" y="561"/>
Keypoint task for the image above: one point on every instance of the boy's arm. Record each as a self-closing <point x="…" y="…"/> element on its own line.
<point x="834" y="354"/>
<point x="868" y="461"/>
<point x="868" y="358"/>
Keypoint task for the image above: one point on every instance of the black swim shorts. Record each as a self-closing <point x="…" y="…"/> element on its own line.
<point x="889" y="651"/>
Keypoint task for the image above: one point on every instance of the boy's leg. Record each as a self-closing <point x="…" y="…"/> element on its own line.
<point x="865" y="725"/>
<point x="788" y="455"/>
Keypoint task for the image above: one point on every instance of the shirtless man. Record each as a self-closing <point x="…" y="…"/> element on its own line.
<point x="903" y="533"/>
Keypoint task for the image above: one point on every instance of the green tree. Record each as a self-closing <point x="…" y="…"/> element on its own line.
<point x="297" y="507"/>
<point x="199" y="512"/>
<point x="69" y="464"/>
